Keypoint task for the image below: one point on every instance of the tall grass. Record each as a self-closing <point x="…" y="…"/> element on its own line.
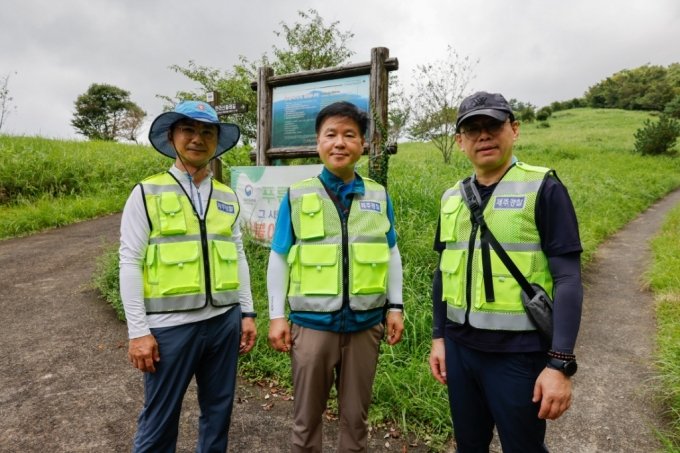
<point x="664" y="279"/>
<point x="592" y="153"/>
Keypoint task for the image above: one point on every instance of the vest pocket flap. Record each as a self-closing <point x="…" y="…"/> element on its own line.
<point x="226" y="250"/>
<point x="311" y="203"/>
<point x="178" y="253"/>
<point x="523" y="261"/>
<point x="150" y="255"/>
<point x="319" y="255"/>
<point x="371" y="253"/>
<point x="451" y="261"/>
<point x="452" y="205"/>
<point x="170" y="203"/>
<point x="292" y="254"/>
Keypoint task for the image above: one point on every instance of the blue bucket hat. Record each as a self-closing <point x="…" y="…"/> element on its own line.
<point x="193" y="110"/>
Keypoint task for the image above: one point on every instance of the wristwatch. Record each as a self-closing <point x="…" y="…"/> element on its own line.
<point x="568" y="367"/>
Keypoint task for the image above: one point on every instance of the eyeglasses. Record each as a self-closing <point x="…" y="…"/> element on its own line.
<point x="189" y="132"/>
<point x="473" y="131"/>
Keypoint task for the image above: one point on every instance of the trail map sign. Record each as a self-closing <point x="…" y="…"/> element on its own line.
<point x="287" y="105"/>
<point x="295" y="107"/>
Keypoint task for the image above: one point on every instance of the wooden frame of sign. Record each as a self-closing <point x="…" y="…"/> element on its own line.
<point x="377" y="68"/>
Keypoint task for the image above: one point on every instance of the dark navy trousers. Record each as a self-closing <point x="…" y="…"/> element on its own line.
<point x="487" y="389"/>
<point x="209" y="350"/>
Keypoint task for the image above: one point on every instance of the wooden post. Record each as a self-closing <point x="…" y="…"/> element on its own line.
<point x="379" y="99"/>
<point x="216" y="164"/>
<point x="264" y="115"/>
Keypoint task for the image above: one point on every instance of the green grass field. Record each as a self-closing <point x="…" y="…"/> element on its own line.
<point x="591" y="150"/>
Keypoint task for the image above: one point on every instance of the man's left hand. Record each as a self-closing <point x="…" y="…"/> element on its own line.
<point x="395" y="327"/>
<point x="248" y="335"/>
<point x="553" y="390"/>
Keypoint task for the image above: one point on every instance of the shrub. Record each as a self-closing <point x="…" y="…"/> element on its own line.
<point x="543" y="113"/>
<point x="673" y="108"/>
<point x="528" y="115"/>
<point x="657" y="138"/>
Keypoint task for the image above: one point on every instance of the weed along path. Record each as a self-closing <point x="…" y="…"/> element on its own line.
<point x="66" y="384"/>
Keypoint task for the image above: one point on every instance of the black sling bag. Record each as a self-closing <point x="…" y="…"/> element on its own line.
<point x="536" y="302"/>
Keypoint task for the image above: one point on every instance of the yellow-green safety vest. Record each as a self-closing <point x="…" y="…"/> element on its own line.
<point x="510" y="215"/>
<point x="337" y="260"/>
<point x="190" y="262"/>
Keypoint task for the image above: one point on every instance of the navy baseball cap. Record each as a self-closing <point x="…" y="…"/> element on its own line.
<point x="486" y="104"/>
<point x="193" y="110"/>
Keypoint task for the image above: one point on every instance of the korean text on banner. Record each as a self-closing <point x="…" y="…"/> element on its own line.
<point x="260" y="191"/>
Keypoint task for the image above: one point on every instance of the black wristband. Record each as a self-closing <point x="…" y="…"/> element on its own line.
<point x="249" y="315"/>
<point x="397" y="306"/>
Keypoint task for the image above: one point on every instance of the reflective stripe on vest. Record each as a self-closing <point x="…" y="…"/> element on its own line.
<point x="183" y="255"/>
<point x="510" y="214"/>
<point x="317" y="259"/>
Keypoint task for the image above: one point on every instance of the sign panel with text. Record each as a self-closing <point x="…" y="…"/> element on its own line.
<point x="260" y="191"/>
<point x="295" y="107"/>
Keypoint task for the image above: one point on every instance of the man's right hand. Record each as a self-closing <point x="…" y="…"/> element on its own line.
<point x="438" y="360"/>
<point x="143" y="353"/>
<point x="279" y="334"/>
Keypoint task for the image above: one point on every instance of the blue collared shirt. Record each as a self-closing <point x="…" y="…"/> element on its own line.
<point x="345" y="320"/>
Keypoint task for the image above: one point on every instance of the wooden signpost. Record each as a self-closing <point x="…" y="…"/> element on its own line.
<point x="213" y="98"/>
<point x="266" y="82"/>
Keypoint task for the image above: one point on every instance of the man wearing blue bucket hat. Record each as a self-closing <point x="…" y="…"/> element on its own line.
<point x="184" y="281"/>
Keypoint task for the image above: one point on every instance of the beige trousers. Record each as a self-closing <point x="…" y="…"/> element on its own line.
<point x="319" y="358"/>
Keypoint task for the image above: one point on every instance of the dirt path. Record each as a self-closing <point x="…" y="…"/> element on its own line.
<point x="66" y="384"/>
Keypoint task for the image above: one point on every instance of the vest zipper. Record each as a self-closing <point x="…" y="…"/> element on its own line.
<point x="345" y="270"/>
<point x="468" y="271"/>
<point x="206" y="261"/>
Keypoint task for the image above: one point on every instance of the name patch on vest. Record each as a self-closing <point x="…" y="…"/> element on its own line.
<point x="370" y="206"/>
<point x="509" y="203"/>
<point x="224" y="207"/>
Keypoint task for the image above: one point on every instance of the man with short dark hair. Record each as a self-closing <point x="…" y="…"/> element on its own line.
<point x="184" y="282"/>
<point x="334" y="255"/>
<point x="499" y="370"/>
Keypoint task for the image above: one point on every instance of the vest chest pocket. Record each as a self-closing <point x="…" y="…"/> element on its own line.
<point x="319" y="269"/>
<point x="448" y="217"/>
<point x="178" y="268"/>
<point x="453" y="277"/>
<point x="369" y="268"/>
<point x="506" y="289"/>
<point x="311" y="217"/>
<point x="171" y="215"/>
<point x="225" y="265"/>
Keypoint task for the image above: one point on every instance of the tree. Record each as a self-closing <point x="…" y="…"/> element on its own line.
<point x="672" y="109"/>
<point x="398" y="110"/>
<point x="543" y="113"/>
<point x="657" y="138"/>
<point x="131" y="124"/>
<point x="438" y="89"/>
<point x="102" y="110"/>
<point x="310" y="45"/>
<point x="6" y="107"/>
<point x="644" y="88"/>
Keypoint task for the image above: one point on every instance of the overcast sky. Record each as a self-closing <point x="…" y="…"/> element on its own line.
<point x="533" y="50"/>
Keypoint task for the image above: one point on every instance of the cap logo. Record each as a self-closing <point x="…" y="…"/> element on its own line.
<point x="479" y="101"/>
<point x="200" y="107"/>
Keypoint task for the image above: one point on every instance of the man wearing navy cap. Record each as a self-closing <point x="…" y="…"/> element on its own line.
<point x="185" y="283"/>
<point x="498" y="368"/>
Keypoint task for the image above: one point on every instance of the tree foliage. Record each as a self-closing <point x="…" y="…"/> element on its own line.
<point x="105" y="112"/>
<point x="644" y="88"/>
<point x="657" y="138"/>
<point x="6" y="107"/>
<point x="398" y="109"/>
<point x="673" y="108"/>
<point x="310" y="44"/>
<point x="438" y="89"/>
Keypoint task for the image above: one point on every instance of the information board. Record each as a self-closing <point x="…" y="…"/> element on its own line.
<point x="260" y="191"/>
<point x="295" y="107"/>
